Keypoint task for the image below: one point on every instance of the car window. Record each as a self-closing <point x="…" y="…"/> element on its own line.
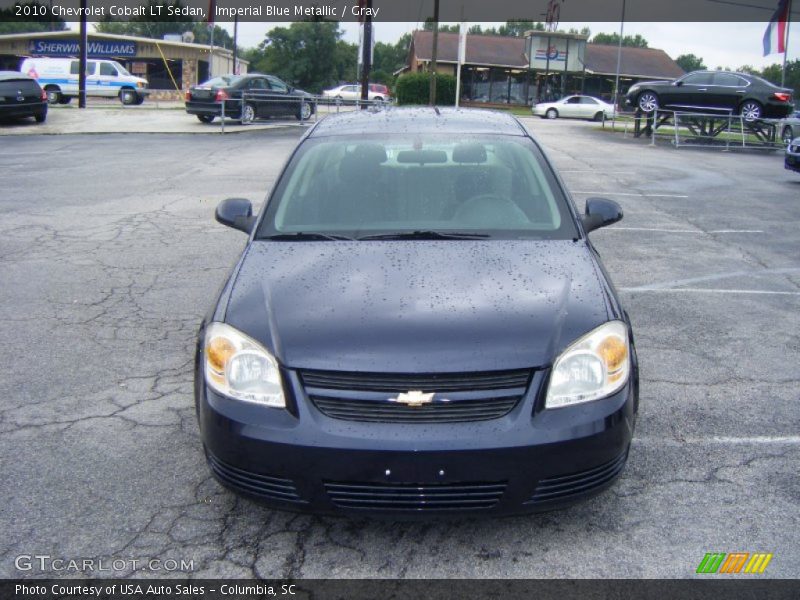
<point x="74" y="67"/>
<point x="277" y="85"/>
<point x="258" y="84"/>
<point x="698" y="79"/>
<point x="495" y="185"/>
<point x="108" y="69"/>
<point x="588" y="100"/>
<point x="222" y="81"/>
<point x="728" y="79"/>
<point x="574" y="100"/>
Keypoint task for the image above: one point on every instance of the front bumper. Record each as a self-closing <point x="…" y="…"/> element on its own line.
<point x="529" y="460"/>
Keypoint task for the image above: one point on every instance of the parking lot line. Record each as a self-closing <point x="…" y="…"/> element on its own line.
<point x="637" y="195"/>
<point x="708" y="291"/>
<point x="724" y="439"/>
<point x="665" y="230"/>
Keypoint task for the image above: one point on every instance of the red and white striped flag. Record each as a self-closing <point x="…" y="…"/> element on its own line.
<point x="775" y="35"/>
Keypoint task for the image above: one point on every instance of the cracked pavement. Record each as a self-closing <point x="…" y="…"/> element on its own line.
<point x="109" y="257"/>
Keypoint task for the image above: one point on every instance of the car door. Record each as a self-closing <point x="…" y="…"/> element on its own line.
<point x="589" y="107"/>
<point x="728" y="90"/>
<point x="107" y="80"/>
<point x="258" y="92"/>
<point x="280" y="101"/>
<point x="693" y="91"/>
<point x="72" y="88"/>
<point x="570" y="107"/>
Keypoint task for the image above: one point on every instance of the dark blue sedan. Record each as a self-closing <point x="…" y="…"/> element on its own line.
<point x="418" y="324"/>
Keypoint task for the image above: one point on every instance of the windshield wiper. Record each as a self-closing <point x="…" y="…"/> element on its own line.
<point x="299" y="236"/>
<point x="426" y="235"/>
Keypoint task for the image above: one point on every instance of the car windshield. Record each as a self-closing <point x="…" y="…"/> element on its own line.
<point x="418" y="186"/>
<point x="222" y="80"/>
<point x="122" y="70"/>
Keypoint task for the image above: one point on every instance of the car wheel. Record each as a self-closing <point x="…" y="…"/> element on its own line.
<point x="65" y="100"/>
<point x="205" y="118"/>
<point x="53" y="95"/>
<point x="139" y="100"/>
<point x="599" y="116"/>
<point x="751" y="110"/>
<point x="304" y="112"/>
<point x="40" y="117"/>
<point x="127" y="97"/>
<point x="648" y="101"/>
<point x="248" y="113"/>
<point x="787" y="135"/>
<point x="551" y="113"/>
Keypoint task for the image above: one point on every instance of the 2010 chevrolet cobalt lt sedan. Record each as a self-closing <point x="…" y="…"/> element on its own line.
<point x="418" y="324"/>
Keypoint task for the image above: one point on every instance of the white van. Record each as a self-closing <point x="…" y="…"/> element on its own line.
<point x="59" y="78"/>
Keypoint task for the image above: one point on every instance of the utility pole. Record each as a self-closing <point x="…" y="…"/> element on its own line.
<point x="366" y="56"/>
<point x="786" y="43"/>
<point x="619" y="66"/>
<point x="235" y="49"/>
<point x="432" y="95"/>
<point x="82" y="59"/>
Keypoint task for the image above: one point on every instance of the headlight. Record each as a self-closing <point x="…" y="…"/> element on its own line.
<point x="595" y="366"/>
<point x="239" y="367"/>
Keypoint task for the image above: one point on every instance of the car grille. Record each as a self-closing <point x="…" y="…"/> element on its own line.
<point x="414" y="496"/>
<point x="553" y="489"/>
<point x="272" y="488"/>
<point x="367" y="397"/>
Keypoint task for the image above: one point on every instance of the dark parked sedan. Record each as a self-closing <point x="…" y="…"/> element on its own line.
<point x="418" y="324"/>
<point x="21" y="96"/>
<point x="792" y="159"/>
<point x="718" y="92"/>
<point x="246" y="98"/>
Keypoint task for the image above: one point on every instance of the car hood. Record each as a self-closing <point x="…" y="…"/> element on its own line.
<point x="417" y="306"/>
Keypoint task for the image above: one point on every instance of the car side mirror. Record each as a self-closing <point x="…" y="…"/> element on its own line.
<point x="236" y="213"/>
<point x="600" y="212"/>
<point x="679" y="83"/>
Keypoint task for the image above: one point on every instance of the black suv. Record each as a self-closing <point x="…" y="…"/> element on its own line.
<point x="715" y="92"/>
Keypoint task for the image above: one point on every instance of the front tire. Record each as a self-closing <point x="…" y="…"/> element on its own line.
<point x="787" y="135"/>
<point x="40" y="118"/>
<point x="65" y="100"/>
<point x="127" y="97"/>
<point x="648" y="101"/>
<point x="205" y="118"/>
<point x="598" y="116"/>
<point x="751" y="110"/>
<point x="551" y="113"/>
<point x="53" y="95"/>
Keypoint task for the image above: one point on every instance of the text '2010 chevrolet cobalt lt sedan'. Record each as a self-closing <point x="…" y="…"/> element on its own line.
<point x="418" y="324"/>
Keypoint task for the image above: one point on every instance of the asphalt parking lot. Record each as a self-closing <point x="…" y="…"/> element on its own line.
<point x="110" y="256"/>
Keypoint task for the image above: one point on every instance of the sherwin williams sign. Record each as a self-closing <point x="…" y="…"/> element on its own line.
<point x="94" y="48"/>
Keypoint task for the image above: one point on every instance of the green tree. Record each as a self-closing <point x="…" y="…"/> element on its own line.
<point x="10" y="23"/>
<point x="303" y="54"/>
<point x="518" y="27"/>
<point x="690" y="62"/>
<point x="428" y="26"/>
<point x="632" y="41"/>
<point x="346" y="61"/>
<point x="773" y="73"/>
<point x="142" y="27"/>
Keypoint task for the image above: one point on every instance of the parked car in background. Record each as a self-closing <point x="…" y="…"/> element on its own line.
<point x="21" y="96"/>
<point x="792" y="161"/>
<point x="790" y="127"/>
<point x="574" y="107"/>
<point x="352" y="91"/>
<point x="419" y="324"/>
<point x="104" y="78"/>
<point x="246" y="98"/>
<point x="715" y="92"/>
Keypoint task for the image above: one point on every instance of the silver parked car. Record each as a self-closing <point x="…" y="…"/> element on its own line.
<point x="576" y="107"/>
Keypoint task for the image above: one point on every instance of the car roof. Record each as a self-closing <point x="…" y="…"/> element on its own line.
<point x="418" y="119"/>
<point x="5" y="75"/>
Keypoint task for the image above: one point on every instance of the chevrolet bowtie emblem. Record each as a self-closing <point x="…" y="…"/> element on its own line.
<point x="413" y="398"/>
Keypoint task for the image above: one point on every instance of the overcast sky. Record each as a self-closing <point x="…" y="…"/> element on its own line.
<point x="718" y="44"/>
